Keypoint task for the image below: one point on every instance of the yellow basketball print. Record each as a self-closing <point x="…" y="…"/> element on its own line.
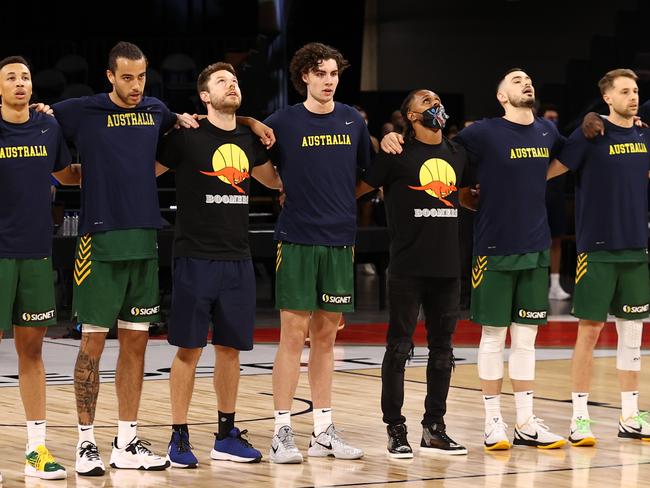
<point x="230" y="165"/>
<point x="438" y="179"/>
<point x="229" y="155"/>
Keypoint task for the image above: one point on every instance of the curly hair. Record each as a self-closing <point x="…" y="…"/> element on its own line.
<point x="307" y="58"/>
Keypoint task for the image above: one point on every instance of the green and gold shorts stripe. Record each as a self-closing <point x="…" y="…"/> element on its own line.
<point x="478" y="271"/>
<point x="581" y="266"/>
<point x="83" y="263"/>
<point x="278" y="257"/>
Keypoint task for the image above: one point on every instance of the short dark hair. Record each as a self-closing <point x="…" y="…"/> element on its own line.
<point x="14" y="60"/>
<point x="308" y="57"/>
<point x="204" y="76"/>
<point x="607" y="81"/>
<point x="511" y="70"/>
<point x="126" y="50"/>
<point x="547" y="107"/>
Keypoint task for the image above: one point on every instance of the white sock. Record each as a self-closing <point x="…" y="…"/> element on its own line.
<point x="579" y="401"/>
<point x="524" y="406"/>
<point x="35" y="434"/>
<point x="492" y="405"/>
<point x="555" y="280"/>
<point x="86" y="433"/>
<point x="126" y="432"/>
<point x="322" y="420"/>
<point x="629" y="404"/>
<point x="282" y="418"/>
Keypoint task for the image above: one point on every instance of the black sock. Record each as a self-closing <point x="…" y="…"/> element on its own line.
<point x="226" y="424"/>
<point x="180" y="428"/>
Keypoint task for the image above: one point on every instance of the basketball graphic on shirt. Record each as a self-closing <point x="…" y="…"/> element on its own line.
<point x="230" y="165"/>
<point x="438" y="179"/>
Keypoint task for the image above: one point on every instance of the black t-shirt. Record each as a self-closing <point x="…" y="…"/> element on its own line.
<point x="611" y="187"/>
<point x="212" y="186"/>
<point x="421" y="194"/>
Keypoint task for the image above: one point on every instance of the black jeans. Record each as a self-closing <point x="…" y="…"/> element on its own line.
<point x="439" y="299"/>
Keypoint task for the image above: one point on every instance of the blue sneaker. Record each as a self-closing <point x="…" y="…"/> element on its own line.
<point x="179" y="452"/>
<point x="235" y="448"/>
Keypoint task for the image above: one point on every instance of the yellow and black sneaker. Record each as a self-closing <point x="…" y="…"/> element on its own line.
<point x="41" y="464"/>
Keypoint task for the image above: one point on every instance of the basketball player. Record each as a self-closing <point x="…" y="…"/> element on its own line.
<point x="421" y="194"/>
<point x="116" y="265"/>
<point x="31" y="148"/>
<point x="511" y="253"/>
<point x="214" y="281"/>
<point x="612" y="239"/>
<point x="321" y="143"/>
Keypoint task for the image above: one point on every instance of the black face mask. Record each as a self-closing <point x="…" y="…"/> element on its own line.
<point x="435" y="117"/>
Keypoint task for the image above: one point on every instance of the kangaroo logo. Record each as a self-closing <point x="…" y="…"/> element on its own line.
<point x="438" y="179"/>
<point x="230" y="165"/>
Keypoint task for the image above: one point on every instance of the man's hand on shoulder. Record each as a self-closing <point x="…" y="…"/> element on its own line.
<point x="43" y="108"/>
<point x="593" y="125"/>
<point x="392" y="143"/>
<point x="186" y="121"/>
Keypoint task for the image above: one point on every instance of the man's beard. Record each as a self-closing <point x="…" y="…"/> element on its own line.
<point x="225" y="106"/>
<point x="523" y="103"/>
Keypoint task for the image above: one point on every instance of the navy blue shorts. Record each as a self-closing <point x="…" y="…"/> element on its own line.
<point x="217" y="294"/>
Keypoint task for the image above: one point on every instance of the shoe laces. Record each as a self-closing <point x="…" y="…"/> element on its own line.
<point x="244" y="440"/>
<point x="285" y="436"/>
<point x="641" y="418"/>
<point x="583" y="425"/>
<point x="399" y="433"/>
<point x="183" y="444"/>
<point x="42" y="458"/>
<point x="140" y="447"/>
<point x="496" y="424"/>
<point x="537" y="422"/>
<point x="89" y="451"/>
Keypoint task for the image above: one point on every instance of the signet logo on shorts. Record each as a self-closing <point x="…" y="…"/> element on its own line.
<point x="636" y="308"/>
<point x="336" y="299"/>
<point x="38" y="317"/>
<point x="144" y="311"/>
<point x="532" y="314"/>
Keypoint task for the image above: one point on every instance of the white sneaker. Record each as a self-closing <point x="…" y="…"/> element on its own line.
<point x="88" y="461"/>
<point x="135" y="455"/>
<point x="496" y="438"/>
<point x="535" y="434"/>
<point x="329" y="443"/>
<point x="557" y="293"/>
<point x="635" y="427"/>
<point x="581" y="434"/>
<point x="283" y="448"/>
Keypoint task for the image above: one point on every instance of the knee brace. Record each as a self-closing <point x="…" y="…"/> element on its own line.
<point x="397" y="355"/>
<point x="521" y="365"/>
<point x="490" y="352"/>
<point x="628" y="352"/>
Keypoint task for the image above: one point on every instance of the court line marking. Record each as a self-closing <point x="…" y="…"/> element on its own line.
<point x="483" y="475"/>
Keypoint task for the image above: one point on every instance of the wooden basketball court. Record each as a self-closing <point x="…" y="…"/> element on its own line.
<point x="613" y="463"/>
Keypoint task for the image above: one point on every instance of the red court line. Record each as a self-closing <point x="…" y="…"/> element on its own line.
<point x="554" y="334"/>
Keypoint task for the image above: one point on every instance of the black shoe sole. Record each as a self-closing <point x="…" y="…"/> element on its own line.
<point x="142" y="468"/>
<point x="633" y="435"/>
<point x="93" y="472"/>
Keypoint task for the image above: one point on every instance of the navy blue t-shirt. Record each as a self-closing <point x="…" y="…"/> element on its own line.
<point x="511" y="161"/>
<point x="611" y="187"/>
<point x="29" y="153"/>
<point x="318" y="156"/>
<point x="117" y="150"/>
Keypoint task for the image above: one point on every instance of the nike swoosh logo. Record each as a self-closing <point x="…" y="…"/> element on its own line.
<point x="544" y="134"/>
<point x="529" y="393"/>
<point x="39" y="423"/>
<point x="283" y="413"/>
<point x="84" y="430"/>
<point x="635" y="429"/>
<point x="134" y="425"/>
<point x="148" y="108"/>
<point x="582" y="396"/>
<point x="533" y="437"/>
<point x="325" y="410"/>
<point x="489" y="398"/>
<point x="326" y="446"/>
<point x="348" y="123"/>
<point x="43" y="131"/>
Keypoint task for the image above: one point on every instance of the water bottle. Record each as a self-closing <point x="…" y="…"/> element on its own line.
<point x="67" y="223"/>
<point x="75" y="224"/>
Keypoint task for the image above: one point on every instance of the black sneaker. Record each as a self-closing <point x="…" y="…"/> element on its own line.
<point x="436" y="440"/>
<point x="398" y="444"/>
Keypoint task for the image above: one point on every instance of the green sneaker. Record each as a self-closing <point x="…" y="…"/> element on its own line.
<point x="581" y="434"/>
<point x="41" y="464"/>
